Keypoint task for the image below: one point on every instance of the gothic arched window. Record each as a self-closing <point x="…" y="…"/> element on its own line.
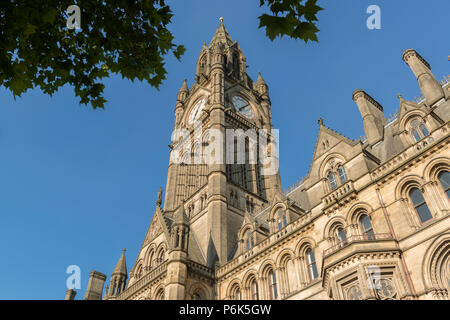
<point x="311" y="261"/>
<point x="418" y="129"/>
<point x="366" y="227"/>
<point x="342" y="174"/>
<point x="332" y="181"/>
<point x="160" y="258"/>
<point x="273" y="290"/>
<point x="236" y="292"/>
<point x="420" y="205"/>
<point x="248" y="240"/>
<point x="254" y="289"/>
<point x="160" y="294"/>
<point x="444" y="179"/>
<point x="341" y="235"/>
<point x="150" y="258"/>
<point x="282" y="220"/>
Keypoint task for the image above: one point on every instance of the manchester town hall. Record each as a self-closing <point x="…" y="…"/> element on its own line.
<point x="370" y="220"/>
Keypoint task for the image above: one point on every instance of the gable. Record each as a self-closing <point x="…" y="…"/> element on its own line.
<point x="327" y="139"/>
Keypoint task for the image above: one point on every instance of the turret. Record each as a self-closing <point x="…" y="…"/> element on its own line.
<point x="182" y="93"/>
<point x="176" y="266"/>
<point x="261" y="87"/>
<point x="372" y="114"/>
<point x="180" y="230"/>
<point x="118" y="277"/>
<point x="430" y="87"/>
<point x="181" y="98"/>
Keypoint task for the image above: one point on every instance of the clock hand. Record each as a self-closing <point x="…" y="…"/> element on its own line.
<point x="242" y="108"/>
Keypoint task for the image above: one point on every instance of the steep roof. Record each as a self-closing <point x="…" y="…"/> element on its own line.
<point x="221" y="35"/>
<point x="333" y="137"/>
<point x="121" y="266"/>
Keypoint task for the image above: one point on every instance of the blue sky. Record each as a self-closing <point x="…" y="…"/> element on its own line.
<point x="78" y="185"/>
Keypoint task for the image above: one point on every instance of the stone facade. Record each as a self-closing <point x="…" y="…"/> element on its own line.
<point x="371" y="220"/>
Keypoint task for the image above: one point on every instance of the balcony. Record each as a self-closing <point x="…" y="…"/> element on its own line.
<point x="357" y="238"/>
<point x="142" y="282"/>
<point x="340" y="195"/>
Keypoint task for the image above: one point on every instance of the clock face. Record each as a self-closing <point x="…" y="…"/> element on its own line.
<point x="197" y="111"/>
<point x="243" y="107"/>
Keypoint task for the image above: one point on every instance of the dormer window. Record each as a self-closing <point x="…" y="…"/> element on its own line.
<point x="282" y="220"/>
<point x="342" y="174"/>
<point x="332" y="181"/>
<point x="335" y="169"/>
<point x="249" y="243"/>
<point x="418" y="129"/>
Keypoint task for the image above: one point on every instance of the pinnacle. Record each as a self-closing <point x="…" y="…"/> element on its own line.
<point x="121" y="266"/>
<point x="180" y="215"/>
<point x="184" y="87"/>
<point x="221" y="35"/>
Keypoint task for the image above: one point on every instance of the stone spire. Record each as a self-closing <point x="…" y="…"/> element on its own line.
<point x="180" y="216"/>
<point x="261" y="85"/>
<point x="183" y="92"/>
<point x="121" y="266"/>
<point x="221" y="36"/>
<point x="119" y="277"/>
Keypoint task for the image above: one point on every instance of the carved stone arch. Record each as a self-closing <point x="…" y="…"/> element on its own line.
<point x="273" y="215"/>
<point x="139" y="269"/>
<point x="235" y="283"/>
<point x="434" y="167"/>
<point x="149" y="254"/>
<point x="326" y="167"/>
<point x="275" y="208"/>
<point x="436" y="266"/>
<point x="355" y="212"/>
<point x="248" y="276"/>
<point x="265" y="266"/>
<point x="410" y="115"/>
<point x="303" y="244"/>
<point x="406" y="183"/>
<point x="331" y="224"/>
<point x="282" y="256"/>
<point x="402" y="193"/>
<point x="157" y="291"/>
<point x="244" y="229"/>
<point x="200" y="289"/>
<point x="247" y="280"/>
<point x="202" y="61"/>
<point x="161" y="246"/>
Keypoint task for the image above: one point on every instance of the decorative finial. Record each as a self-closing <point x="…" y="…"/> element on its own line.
<point x="159" y="201"/>
<point x="320" y="121"/>
<point x="124" y="250"/>
<point x="399" y="96"/>
<point x="221" y="19"/>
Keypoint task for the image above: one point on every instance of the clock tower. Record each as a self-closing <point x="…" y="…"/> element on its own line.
<point x="226" y="139"/>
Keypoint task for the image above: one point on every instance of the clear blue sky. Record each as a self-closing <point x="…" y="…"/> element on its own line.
<point x="78" y="185"/>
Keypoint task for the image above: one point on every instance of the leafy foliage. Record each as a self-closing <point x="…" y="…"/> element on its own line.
<point x="129" y="37"/>
<point x="293" y="18"/>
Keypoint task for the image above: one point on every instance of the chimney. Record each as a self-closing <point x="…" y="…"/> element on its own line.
<point x="70" y="294"/>
<point x="372" y="114"/>
<point x="428" y="84"/>
<point x="95" y="286"/>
